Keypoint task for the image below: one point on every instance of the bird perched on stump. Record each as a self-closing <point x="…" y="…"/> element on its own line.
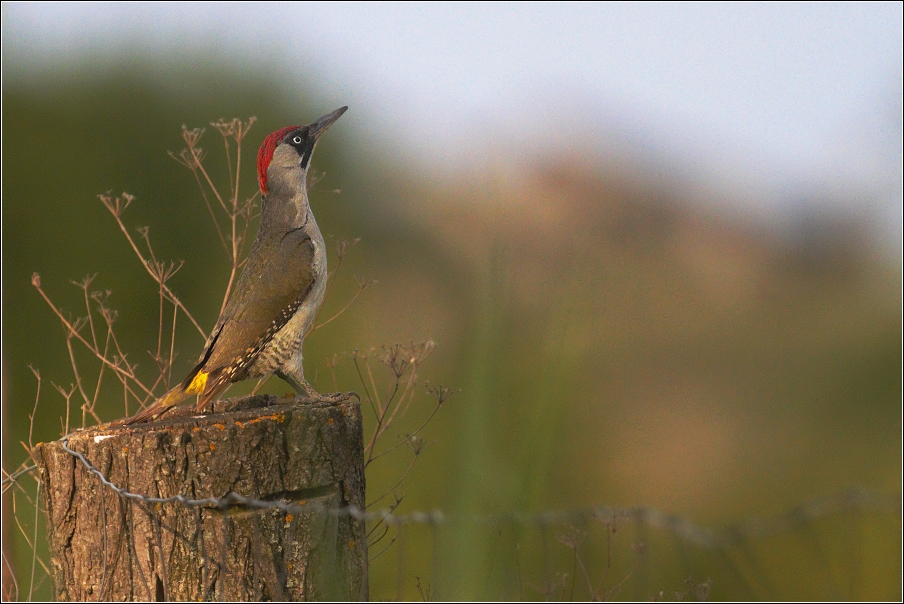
<point x="278" y="295"/>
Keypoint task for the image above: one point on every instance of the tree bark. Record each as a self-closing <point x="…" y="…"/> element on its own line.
<point x="107" y="547"/>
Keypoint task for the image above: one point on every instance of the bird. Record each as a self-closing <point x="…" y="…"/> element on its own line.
<point x="261" y="330"/>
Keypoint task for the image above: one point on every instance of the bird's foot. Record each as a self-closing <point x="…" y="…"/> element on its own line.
<point x="308" y="394"/>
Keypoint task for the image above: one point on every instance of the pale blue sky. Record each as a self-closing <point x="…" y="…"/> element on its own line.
<point x="766" y="100"/>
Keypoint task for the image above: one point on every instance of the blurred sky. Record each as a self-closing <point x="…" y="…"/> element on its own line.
<point x="781" y="104"/>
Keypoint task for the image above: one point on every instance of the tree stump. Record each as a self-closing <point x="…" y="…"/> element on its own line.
<point x="105" y="546"/>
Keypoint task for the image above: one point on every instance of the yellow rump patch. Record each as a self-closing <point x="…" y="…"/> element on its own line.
<point x="198" y="383"/>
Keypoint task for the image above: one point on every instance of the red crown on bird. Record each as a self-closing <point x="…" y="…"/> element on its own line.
<point x="265" y="154"/>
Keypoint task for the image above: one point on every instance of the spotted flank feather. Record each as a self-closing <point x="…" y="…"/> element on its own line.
<point x="238" y="370"/>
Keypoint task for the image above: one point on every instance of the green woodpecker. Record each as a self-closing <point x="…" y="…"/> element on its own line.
<point x="263" y="326"/>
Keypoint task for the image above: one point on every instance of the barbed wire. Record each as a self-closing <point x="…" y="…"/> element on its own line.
<point x="230" y="499"/>
<point x="852" y="499"/>
<point x="566" y="526"/>
<point x="10" y="480"/>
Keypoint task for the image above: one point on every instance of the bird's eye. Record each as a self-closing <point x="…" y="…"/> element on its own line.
<point x="296" y="140"/>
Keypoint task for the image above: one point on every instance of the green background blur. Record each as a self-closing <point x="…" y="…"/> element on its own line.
<point x="615" y="341"/>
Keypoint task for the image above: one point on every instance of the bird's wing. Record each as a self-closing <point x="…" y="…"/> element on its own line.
<point x="277" y="276"/>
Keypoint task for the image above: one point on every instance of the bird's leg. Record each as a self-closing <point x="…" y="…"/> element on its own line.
<point x="303" y="388"/>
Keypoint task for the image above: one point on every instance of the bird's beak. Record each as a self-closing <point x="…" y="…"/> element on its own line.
<point x="318" y="127"/>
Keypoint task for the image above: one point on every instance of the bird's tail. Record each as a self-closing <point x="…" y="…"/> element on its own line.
<point x="173" y="397"/>
<point x="195" y="383"/>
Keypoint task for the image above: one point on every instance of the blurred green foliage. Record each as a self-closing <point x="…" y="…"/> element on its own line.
<point x="614" y="341"/>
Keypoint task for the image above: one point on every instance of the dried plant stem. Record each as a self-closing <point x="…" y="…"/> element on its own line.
<point x="584" y="572"/>
<point x="370" y="399"/>
<point x="378" y="431"/>
<point x="260" y="384"/>
<point x="382" y="520"/>
<point x="172" y="350"/>
<point x="396" y="485"/>
<point x="86" y="405"/>
<point x="12" y="594"/>
<point x="100" y="373"/>
<point x="237" y="130"/>
<point x="213" y="216"/>
<point x="338" y="314"/>
<point x="34" y="549"/>
<point x="373" y="384"/>
<point x="409" y="391"/>
<point x="160" y="321"/>
<point x="36" y="281"/>
<point x="232" y="186"/>
<point x="612" y="590"/>
<point x="382" y="551"/>
<point x="147" y="265"/>
<point x="31" y="418"/>
<point x="373" y="458"/>
<point x="229" y="283"/>
<point x="212" y="186"/>
<point x="29" y="541"/>
<point x="85" y="284"/>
